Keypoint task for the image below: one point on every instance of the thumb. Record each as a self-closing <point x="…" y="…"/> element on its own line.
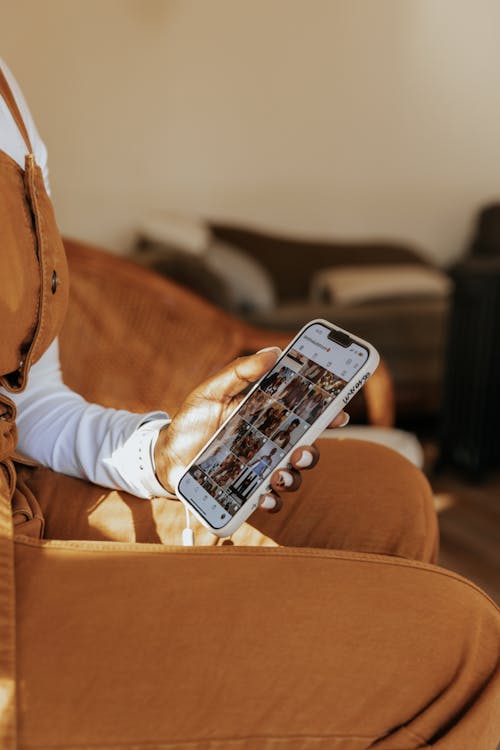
<point x="238" y="374"/>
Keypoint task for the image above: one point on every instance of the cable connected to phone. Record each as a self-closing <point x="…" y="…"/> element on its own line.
<point x="188" y="533"/>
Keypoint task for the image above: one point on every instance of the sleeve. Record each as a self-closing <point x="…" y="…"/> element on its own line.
<point x="61" y="430"/>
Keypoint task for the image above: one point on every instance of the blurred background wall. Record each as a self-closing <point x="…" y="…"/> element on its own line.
<point x="328" y="118"/>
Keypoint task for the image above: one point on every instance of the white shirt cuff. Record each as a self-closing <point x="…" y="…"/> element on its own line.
<point x="134" y="460"/>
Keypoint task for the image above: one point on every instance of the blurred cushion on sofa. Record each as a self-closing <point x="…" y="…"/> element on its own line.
<point x="349" y="285"/>
<point x="385" y="292"/>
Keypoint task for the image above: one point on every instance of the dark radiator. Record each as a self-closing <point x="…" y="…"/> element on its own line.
<point x="470" y="420"/>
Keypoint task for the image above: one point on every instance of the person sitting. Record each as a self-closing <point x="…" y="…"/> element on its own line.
<point x="326" y="623"/>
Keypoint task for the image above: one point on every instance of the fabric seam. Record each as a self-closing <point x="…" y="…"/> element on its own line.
<point x="292" y="552"/>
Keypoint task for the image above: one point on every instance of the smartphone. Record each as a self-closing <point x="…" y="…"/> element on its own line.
<point x="312" y="381"/>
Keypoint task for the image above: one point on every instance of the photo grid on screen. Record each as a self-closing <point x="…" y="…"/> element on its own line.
<point x="277" y="414"/>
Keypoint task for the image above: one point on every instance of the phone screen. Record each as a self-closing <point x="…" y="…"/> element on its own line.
<point x="289" y="399"/>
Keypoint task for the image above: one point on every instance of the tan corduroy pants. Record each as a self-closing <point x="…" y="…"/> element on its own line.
<point x="343" y="637"/>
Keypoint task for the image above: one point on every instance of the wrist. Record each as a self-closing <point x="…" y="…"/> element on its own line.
<point x="162" y="463"/>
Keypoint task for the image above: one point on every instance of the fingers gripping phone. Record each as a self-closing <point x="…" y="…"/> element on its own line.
<point x="315" y="377"/>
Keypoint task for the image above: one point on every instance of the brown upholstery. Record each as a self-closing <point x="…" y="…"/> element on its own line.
<point x="178" y="338"/>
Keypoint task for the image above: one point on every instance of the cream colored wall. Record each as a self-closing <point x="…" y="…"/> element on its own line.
<point x="335" y="118"/>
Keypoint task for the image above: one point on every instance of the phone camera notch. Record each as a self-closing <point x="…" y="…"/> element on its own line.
<point x="340" y="338"/>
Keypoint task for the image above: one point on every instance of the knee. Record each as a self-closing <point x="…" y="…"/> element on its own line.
<point x="460" y="642"/>
<point x="406" y="495"/>
<point x="389" y="496"/>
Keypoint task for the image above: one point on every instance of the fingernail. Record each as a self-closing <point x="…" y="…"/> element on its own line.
<point x="305" y="460"/>
<point x="268" y="503"/>
<point x="270" y="349"/>
<point x="346" y="420"/>
<point x="286" y="478"/>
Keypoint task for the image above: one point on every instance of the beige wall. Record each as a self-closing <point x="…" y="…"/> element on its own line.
<point x="341" y="118"/>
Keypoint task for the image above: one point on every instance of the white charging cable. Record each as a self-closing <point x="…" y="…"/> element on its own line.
<point x="188" y="533"/>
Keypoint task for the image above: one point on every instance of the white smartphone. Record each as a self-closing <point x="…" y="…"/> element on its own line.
<point x="315" y="377"/>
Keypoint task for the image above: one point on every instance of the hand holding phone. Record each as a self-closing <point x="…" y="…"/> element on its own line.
<point x="286" y="410"/>
<point x="204" y="411"/>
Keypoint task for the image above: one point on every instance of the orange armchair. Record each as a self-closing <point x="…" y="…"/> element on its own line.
<point x="133" y="339"/>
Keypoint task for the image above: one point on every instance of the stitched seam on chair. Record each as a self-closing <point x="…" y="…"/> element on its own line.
<point x="292" y="552"/>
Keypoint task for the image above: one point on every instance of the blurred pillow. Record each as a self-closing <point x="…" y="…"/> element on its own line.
<point x="248" y="284"/>
<point x="354" y="284"/>
<point x="188" y="234"/>
<point x="190" y="271"/>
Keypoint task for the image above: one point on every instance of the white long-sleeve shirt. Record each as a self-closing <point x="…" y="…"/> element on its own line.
<point x="56" y="426"/>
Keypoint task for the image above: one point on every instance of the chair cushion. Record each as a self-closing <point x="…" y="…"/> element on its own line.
<point x="353" y="284"/>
